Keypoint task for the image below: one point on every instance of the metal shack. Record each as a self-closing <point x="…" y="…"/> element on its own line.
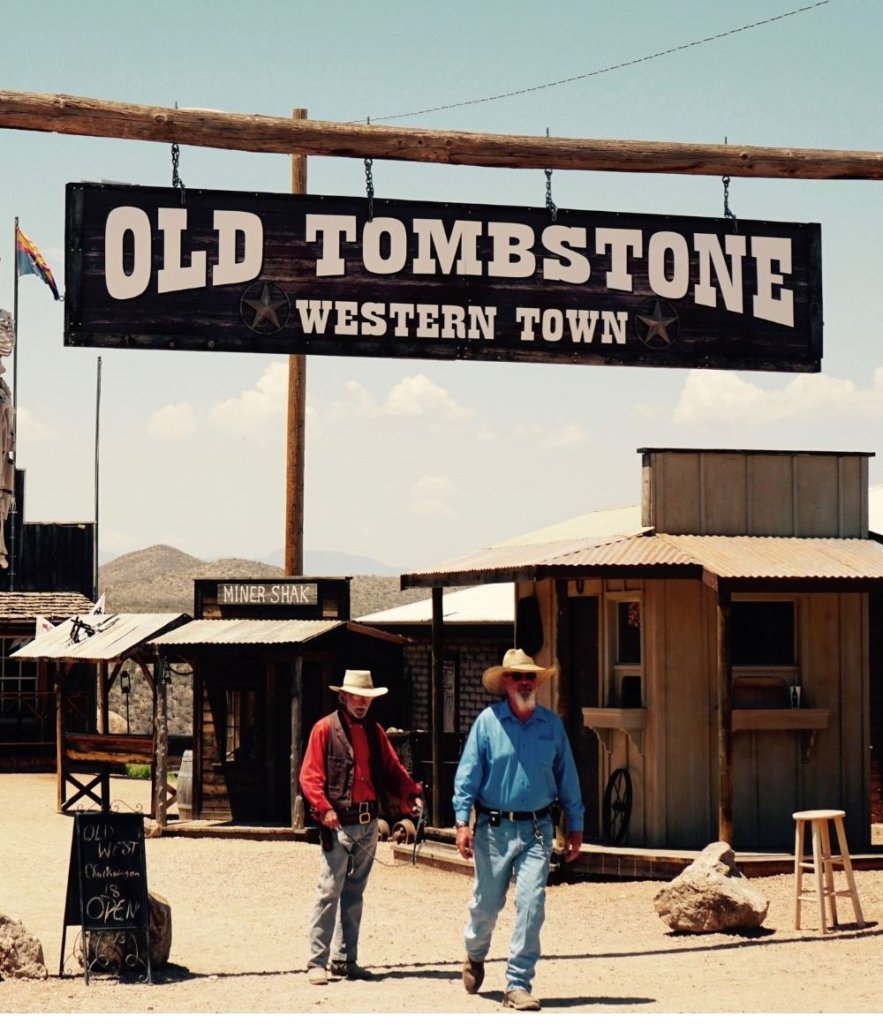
<point x="263" y="653"/>
<point x="714" y="646"/>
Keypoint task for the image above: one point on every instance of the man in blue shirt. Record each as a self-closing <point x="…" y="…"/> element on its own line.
<point x="516" y="762"/>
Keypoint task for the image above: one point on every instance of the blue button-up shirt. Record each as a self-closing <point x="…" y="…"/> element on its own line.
<point x="518" y="766"/>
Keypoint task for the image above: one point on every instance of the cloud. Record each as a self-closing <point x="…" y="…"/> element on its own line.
<point x="411" y="397"/>
<point x="430" y="497"/>
<point x="29" y="429"/>
<point x="563" y="436"/>
<point x="711" y="396"/>
<point x="258" y="411"/>
<point x="172" y="422"/>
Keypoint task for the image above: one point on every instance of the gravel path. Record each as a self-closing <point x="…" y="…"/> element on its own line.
<point x="240" y="908"/>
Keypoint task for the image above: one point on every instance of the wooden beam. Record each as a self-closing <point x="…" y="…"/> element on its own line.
<point x="255" y="133"/>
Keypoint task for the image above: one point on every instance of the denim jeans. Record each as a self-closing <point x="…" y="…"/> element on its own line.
<point x="343" y="875"/>
<point x="501" y="851"/>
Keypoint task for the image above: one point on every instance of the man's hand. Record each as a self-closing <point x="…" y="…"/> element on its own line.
<point x="464" y="841"/>
<point x="330" y="818"/>
<point x="572" y="844"/>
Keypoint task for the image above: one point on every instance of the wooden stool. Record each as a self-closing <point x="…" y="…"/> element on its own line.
<point x="821" y="864"/>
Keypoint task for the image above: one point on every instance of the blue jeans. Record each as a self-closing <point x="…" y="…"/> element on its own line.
<point x="343" y="875"/>
<point x="501" y="851"/>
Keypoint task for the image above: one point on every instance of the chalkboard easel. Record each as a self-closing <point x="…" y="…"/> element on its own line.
<point x="107" y="886"/>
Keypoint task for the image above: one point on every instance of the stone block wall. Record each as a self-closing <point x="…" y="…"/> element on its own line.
<point x="474" y="657"/>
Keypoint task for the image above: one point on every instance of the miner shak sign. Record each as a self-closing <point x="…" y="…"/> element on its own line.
<point x="159" y="268"/>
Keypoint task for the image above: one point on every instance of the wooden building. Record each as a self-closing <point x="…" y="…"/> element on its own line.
<point x="263" y="653"/>
<point x="78" y="662"/>
<point x="714" y="646"/>
<point x="27" y="700"/>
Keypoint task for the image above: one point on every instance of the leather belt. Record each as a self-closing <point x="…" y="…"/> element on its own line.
<point x="513" y="815"/>
<point x="360" y="814"/>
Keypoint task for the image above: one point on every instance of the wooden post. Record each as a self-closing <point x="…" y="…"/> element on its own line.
<point x="297" y="801"/>
<point x="724" y="721"/>
<point x="161" y="739"/>
<point x="438" y="702"/>
<point x="297" y="400"/>
<point x="58" y="688"/>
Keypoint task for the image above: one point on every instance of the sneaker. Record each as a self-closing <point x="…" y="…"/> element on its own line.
<point x="350" y="970"/>
<point x="317" y="976"/>
<point x="473" y="975"/>
<point x="519" y="999"/>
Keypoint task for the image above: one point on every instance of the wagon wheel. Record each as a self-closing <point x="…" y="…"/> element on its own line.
<point x="617" y="807"/>
<point x="404" y="832"/>
<point x="382" y="830"/>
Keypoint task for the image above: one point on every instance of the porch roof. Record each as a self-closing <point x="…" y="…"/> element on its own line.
<point x="99" y="637"/>
<point x="772" y="562"/>
<point x="214" y="632"/>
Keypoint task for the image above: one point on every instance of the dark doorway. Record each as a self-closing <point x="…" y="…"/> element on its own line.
<point x="585" y="692"/>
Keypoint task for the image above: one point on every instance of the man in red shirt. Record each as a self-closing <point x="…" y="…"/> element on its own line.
<point x="349" y="773"/>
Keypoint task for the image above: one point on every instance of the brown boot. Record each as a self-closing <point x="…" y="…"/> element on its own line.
<point x="519" y="999"/>
<point x="473" y="975"/>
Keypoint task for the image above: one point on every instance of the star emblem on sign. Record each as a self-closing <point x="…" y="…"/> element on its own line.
<point x="656" y="323"/>
<point x="264" y="307"/>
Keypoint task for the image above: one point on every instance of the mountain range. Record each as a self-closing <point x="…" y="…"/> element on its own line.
<point x="160" y="579"/>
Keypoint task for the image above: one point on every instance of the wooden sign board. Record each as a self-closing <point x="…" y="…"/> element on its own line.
<point x="251" y="272"/>
<point x="107" y="879"/>
<point x="244" y="592"/>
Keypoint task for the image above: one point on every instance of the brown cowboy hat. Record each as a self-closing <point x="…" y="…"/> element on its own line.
<point x="358" y="682"/>
<point x="514" y="660"/>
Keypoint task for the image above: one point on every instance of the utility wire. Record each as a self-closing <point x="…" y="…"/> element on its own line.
<point x="602" y="71"/>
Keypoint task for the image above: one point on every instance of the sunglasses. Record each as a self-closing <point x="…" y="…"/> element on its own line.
<point x="520" y="675"/>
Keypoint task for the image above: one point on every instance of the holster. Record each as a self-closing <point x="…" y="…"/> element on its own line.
<point x="326" y="837"/>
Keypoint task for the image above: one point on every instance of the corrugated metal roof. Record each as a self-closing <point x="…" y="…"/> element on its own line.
<point x="610" y="522"/>
<point x="25" y="607"/>
<point x="807" y="558"/>
<point x="247" y="631"/>
<point x="728" y="558"/>
<point x="113" y="636"/>
<point x="489" y="603"/>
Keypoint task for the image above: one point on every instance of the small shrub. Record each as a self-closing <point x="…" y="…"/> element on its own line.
<point x="137" y="771"/>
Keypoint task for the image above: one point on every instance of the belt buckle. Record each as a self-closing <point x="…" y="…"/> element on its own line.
<point x="364" y="813"/>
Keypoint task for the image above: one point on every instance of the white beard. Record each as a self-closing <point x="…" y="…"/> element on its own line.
<point x="523" y="703"/>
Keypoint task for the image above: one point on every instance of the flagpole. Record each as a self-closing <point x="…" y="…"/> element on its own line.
<point x="95" y="534"/>
<point x="14" y="514"/>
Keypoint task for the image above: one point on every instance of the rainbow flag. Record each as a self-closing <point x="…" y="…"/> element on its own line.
<point x="29" y="260"/>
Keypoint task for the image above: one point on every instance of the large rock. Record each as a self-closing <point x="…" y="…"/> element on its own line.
<point x="711" y="895"/>
<point x="21" y="955"/>
<point x="106" y="949"/>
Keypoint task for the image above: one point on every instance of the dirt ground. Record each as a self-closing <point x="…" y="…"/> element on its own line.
<point x="239" y="918"/>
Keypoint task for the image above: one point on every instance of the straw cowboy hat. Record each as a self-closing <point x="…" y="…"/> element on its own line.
<point x="357" y="681"/>
<point x="514" y="660"/>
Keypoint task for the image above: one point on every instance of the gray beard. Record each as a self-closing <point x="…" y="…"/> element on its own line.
<point x="524" y="703"/>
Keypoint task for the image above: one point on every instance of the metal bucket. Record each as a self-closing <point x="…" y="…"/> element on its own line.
<point x="184" y="787"/>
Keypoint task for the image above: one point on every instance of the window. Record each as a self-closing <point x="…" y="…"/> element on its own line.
<point x="763" y="633"/>
<point x="625" y="647"/>
<point x="242" y="726"/>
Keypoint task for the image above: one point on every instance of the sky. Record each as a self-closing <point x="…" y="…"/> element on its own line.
<point x="411" y="462"/>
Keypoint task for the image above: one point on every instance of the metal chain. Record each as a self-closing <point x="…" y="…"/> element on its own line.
<point x="369" y="182"/>
<point x="728" y="213"/>
<point x="550" y="205"/>
<point x="176" y="157"/>
<point x="369" y="187"/>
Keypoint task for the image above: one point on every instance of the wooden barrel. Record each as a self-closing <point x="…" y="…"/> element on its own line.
<point x="184" y="787"/>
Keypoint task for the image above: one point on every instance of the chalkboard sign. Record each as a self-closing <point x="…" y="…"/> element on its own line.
<point x="107" y="877"/>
